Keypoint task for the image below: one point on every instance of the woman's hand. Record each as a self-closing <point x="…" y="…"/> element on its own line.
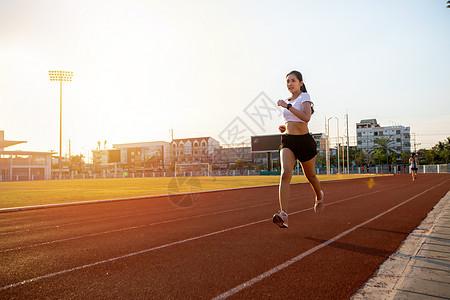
<point x="282" y="103"/>
<point x="282" y="128"/>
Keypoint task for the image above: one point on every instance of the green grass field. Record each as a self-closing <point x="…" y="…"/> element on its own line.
<point x="31" y="193"/>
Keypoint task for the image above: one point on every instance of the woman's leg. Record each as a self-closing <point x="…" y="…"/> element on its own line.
<point x="287" y="159"/>
<point x="310" y="173"/>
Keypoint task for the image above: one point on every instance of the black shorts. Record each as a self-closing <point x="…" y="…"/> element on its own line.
<point x="414" y="169"/>
<point x="303" y="146"/>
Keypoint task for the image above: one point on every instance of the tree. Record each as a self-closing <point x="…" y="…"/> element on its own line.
<point x="441" y="152"/>
<point x="321" y="160"/>
<point x="378" y="155"/>
<point x="438" y="154"/>
<point x="358" y="157"/>
<point x="393" y="157"/>
<point x="385" y="144"/>
<point x="239" y="164"/>
<point x="404" y="157"/>
<point x="76" y="163"/>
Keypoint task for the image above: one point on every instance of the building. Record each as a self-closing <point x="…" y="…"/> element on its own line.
<point x="23" y="165"/>
<point x="226" y="156"/>
<point x="321" y="141"/>
<point x="154" y="156"/>
<point x="100" y="161"/>
<point x="194" y="150"/>
<point x="145" y="156"/>
<point x="368" y="131"/>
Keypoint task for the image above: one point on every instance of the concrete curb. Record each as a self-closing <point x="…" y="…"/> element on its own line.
<point x="410" y="272"/>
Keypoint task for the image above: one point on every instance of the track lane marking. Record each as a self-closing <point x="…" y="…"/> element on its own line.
<point x="114" y="218"/>
<point x="127" y="216"/>
<point x="165" y="246"/>
<point x="129" y="228"/>
<point x="312" y="250"/>
<point x="154" y="224"/>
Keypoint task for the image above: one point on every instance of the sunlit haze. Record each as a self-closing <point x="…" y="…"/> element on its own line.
<point x="142" y="68"/>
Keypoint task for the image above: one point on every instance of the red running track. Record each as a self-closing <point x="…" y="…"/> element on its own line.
<point x="224" y="246"/>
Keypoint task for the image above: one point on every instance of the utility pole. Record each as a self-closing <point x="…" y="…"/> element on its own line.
<point x="337" y="148"/>
<point x="326" y="146"/>
<point x="348" y="156"/>
<point x="327" y="133"/>
<point x="415" y="144"/>
<point x="343" y="156"/>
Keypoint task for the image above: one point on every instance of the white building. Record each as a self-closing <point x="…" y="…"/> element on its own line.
<point x="23" y="165"/>
<point x="367" y="131"/>
<point x="194" y="150"/>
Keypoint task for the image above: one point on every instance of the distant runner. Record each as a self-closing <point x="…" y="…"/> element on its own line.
<point x="414" y="165"/>
<point x="296" y="143"/>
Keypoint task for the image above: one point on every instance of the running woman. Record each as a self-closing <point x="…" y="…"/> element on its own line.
<point x="296" y="143"/>
<point x="414" y="165"/>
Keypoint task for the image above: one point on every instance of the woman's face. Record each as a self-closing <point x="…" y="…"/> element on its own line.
<point x="293" y="84"/>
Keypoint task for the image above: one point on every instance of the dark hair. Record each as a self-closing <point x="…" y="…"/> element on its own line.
<point x="303" y="87"/>
<point x="300" y="78"/>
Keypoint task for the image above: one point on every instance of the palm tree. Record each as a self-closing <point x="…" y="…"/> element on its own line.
<point x="384" y="144"/>
<point x="441" y="152"/>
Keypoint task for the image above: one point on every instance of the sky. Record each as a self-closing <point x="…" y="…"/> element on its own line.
<point x="217" y="68"/>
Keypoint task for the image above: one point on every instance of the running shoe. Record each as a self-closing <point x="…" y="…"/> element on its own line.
<point x="281" y="219"/>
<point x="318" y="205"/>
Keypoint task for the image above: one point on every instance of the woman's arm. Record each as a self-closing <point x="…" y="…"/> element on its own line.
<point x="305" y="113"/>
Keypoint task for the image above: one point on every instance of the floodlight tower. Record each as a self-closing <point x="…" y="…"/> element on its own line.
<point x="60" y="76"/>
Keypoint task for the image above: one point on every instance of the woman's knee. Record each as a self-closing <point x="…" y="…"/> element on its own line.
<point x="286" y="175"/>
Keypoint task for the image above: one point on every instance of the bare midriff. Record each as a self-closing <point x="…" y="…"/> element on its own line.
<point x="296" y="128"/>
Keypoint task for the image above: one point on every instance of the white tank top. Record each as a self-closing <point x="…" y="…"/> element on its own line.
<point x="297" y="104"/>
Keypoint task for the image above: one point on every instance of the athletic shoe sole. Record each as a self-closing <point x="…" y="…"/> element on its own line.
<point x="279" y="221"/>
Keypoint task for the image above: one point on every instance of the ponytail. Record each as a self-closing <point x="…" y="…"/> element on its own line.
<point x="303" y="88"/>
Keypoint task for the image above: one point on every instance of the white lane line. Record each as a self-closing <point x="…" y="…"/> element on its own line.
<point x="153" y="224"/>
<point x="129" y="228"/>
<point x="133" y="215"/>
<point x="119" y="217"/>
<point x="163" y="246"/>
<point x="312" y="250"/>
<point x="128" y="255"/>
<point x="106" y="219"/>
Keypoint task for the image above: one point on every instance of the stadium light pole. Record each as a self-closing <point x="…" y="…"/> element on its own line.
<point x="60" y="76"/>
